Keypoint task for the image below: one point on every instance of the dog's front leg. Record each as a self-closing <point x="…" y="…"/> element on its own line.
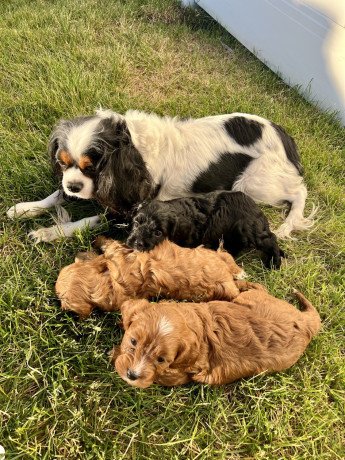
<point x="35" y="208"/>
<point x="63" y="230"/>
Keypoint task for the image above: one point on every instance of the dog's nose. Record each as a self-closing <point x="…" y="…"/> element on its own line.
<point x="74" y="187"/>
<point x="132" y="375"/>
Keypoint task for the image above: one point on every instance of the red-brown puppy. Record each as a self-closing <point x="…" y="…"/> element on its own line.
<point x="216" y="342"/>
<point x="168" y="270"/>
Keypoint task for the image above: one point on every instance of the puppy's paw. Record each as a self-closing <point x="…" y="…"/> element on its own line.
<point x="46" y="235"/>
<point x="201" y="377"/>
<point x="248" y="286"/>
<point x="23" y="210"/>
<point x="101" y="243"/>
<point x="241" y="275"/>
<point x="85" y="256"/>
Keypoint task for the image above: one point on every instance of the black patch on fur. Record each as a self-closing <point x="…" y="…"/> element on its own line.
<point x="206" y="219"/>
<point x="243" y="130"/>
<point x="123" y="179"/>
<point x="94" y="155"/>
<point x="290" y="147"/>
<point x="222" y="175"/>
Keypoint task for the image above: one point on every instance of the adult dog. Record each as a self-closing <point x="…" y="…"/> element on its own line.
<point x="120" y="160"/>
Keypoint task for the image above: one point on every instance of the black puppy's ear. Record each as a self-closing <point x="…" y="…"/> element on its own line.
<point x="123" y="178"/>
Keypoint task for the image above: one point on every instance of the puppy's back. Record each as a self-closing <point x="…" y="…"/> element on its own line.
<point x="263" y="304"/>
<point x="196" y="274"/>
<point x="256" y="333"/>
<point x="283" y="331"/>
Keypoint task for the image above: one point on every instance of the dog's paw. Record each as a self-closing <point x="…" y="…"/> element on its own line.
<point x="101" y="243"/>
<point x="46" y="235"/>
<point x="241" y="275"/>
<point x="248" y="286"/>
<point x="85" y="256"/>
<point x="27" y="209"/>
<point x="201" y="377"/>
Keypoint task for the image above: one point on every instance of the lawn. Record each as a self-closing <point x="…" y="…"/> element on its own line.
<point x="59" y="397"/>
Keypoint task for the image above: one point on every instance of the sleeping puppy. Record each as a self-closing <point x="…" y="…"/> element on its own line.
<point x="215" y="343"/>
<point x="106" y="281"/>
<point x="206" y="219"/>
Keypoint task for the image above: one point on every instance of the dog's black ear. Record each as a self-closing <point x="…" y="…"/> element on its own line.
<point x="123" y="178"/>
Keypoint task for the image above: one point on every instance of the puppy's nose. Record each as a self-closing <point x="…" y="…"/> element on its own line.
<point x="132" y="375"/>
<point x="74" y="187"/>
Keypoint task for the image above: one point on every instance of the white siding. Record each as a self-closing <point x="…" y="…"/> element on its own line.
<point x="302" y="40"/>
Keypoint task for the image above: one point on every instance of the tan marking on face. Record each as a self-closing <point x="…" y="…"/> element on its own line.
<point x="65" y="158"/>
<point x="84" y="162"/>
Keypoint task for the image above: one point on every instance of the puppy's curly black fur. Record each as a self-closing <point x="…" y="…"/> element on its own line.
<point x="206" y="219"/>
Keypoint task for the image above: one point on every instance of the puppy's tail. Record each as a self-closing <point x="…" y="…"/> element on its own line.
<point x="310" y="313"/>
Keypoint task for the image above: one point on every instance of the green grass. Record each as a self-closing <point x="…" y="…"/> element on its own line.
<point x="59" y="397"/>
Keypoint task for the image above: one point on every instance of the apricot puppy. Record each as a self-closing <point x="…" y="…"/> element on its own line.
<point x="217" y="342"/>
<point x="105" y="281"/>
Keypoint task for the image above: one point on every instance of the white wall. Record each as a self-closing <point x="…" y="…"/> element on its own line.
<point x="302" y="40"/>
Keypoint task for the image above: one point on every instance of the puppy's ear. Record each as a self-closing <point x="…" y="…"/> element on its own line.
<point x="187" y="353"/>
<point x="130" y="309"/>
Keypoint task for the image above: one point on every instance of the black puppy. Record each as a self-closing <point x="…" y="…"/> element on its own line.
<point x="206" y="219"/>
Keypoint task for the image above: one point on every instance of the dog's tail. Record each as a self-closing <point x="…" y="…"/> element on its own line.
<point x="310" y="313"/>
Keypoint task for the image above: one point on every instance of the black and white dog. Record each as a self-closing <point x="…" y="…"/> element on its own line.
<point x="208" y="218"/>
<point x="121" y="160"/>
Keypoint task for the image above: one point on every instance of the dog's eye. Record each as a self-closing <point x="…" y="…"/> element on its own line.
<point x="133" y="342"/>
<point x="157" y="233"/>
<point x="88" y="169"/>
<point x="160" y="359"/>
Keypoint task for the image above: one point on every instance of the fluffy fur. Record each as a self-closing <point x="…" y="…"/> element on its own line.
<point x="120" y="160"/>
<point x="106" y="281"/>
<point x="215" y="342"/>
<point x="232" y="217"/>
